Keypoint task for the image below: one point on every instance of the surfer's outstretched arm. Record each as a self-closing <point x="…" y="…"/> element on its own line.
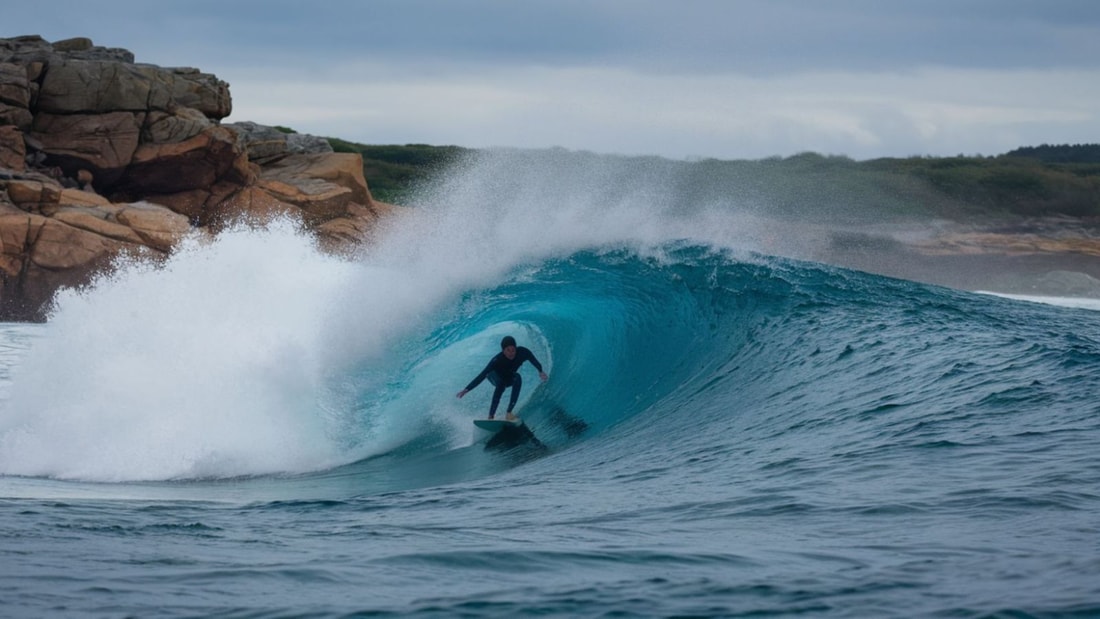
<point x="530" y="357"/>
<point x="476" y="381"/>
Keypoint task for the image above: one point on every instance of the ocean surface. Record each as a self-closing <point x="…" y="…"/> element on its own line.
<point x="256" y="429"/>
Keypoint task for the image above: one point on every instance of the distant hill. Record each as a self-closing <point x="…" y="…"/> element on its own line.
<point x="1059" y="153"/>
<point x="1034" y="181"/>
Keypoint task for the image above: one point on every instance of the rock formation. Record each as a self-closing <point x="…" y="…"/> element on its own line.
<point x="101" y="156"/>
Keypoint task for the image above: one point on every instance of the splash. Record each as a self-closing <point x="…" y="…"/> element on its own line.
<point x="256" y="353"/>
<point x="187" y="369"/>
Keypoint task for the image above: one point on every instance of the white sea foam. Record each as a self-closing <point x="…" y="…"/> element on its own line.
<point x="1072" y="302"/>
<point x="198" y="367"/>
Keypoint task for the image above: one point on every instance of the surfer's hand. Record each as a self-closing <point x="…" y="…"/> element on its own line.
<point x="462" y="393"/>
<point x="543" y="377"/>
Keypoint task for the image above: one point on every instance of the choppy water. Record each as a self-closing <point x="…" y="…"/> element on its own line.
<point x="257" y="430"/>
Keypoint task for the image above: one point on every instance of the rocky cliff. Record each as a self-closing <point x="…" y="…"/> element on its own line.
<point x="101" y="156"/>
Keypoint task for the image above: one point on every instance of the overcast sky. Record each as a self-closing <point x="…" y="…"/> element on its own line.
<point x="678" y="78"/>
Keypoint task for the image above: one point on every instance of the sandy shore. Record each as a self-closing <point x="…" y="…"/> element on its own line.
<point x="1056" y="257"/>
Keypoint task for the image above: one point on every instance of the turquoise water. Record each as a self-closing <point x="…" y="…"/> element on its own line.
<point x="258" y="430"/>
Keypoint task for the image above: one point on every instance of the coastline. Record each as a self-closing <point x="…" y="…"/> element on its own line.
<point x="1042" y="257"/>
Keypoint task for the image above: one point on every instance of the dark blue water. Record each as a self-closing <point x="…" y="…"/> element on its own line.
<point x="764" y="438"/>
<point x="255" y="429"/>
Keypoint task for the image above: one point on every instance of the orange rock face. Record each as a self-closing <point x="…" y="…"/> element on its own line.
<point x="101" y="157"/>
<point x="13" y="152"/>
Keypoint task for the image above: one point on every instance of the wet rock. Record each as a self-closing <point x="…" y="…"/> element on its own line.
<point x="102" y="157"/>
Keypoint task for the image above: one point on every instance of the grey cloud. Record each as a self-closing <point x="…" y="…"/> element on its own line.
<point x="747" y="36"/>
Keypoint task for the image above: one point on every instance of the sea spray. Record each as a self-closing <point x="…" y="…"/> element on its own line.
<point x="207" y="365"/>
<point x="256" y="353"/>
<point x="502" y="209"/>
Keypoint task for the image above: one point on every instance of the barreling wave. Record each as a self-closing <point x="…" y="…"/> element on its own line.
<point x="664" y="331"/>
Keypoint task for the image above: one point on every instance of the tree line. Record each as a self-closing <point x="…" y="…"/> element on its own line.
<point x="1033" y="181"/>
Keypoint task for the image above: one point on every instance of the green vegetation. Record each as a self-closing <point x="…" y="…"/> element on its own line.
<point x="831" y="188"/>
<point x="1060" y="153"/>
<point x="393" y="172"/>
<point x="1008" y="184"/>
<point x="1037" y="181"/>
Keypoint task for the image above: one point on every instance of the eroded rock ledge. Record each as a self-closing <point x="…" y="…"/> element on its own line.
<point x="100" y="155"/>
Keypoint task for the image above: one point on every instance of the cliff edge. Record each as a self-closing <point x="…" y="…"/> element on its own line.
<point x="101" y="156"/>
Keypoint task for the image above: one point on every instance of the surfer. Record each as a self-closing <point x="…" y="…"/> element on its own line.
<point x="502" y="372"/>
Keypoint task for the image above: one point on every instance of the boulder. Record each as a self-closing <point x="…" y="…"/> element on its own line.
<point x="192" y="204"/>
<point x="188" y="87"/>
<point x="17" y="228"/>
<point x="102" y="157"/>
<point x="322" y="185"/>
<point x="345" y="234"/>
<point x="16" y="116"/>
<point x="261" y="142"/>
<point x="13" y="151"/>
<point x="15" y="96"/>
<point x="318" y="200"/>
<point x="195" y="163"/>
<point x="32" y="194"/>
<point x="141" y="223"/>
<point x="72" y="86"/>
<point x="102" y="143"/>
<point x="51" y="237"/>
<point x="31" y="51"/>
<point x="178" y="125"/>
<point x="83" y="48"/>
<point x="266" y="144"/>
<point x="155" y="226"/>
<point x="14" y="85"/>
<point x="75" y="44"/>
<point x="252" y="205"/>
<point x="78" y="197"/>
<point x="98" y="221"/>
<point x="39" y="255"/>
<point x="305" y="144"/>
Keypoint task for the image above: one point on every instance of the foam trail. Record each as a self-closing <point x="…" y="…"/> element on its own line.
<point x="1071" y="302"/>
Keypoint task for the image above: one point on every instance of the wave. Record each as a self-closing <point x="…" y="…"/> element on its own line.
<point x="666" y="328"/>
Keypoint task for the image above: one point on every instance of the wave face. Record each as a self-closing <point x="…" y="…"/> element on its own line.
<point x="256" y="354"/>
<point x="768" y="434"/>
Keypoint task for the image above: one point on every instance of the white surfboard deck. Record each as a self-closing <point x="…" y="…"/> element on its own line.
<point x="496" y="424"/>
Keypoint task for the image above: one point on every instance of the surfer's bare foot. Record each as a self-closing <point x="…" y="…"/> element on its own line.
<point x="510" y="417"/>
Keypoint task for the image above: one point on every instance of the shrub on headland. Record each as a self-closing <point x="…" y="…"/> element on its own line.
<point x="393" y="171"/>
<point x="1059" y="153"/>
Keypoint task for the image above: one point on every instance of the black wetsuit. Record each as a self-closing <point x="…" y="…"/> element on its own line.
<point x="502" y="372"/>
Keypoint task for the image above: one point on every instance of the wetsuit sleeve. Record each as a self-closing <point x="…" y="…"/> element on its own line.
<point x="480" y="377"/>
<point x="530" y="356"/>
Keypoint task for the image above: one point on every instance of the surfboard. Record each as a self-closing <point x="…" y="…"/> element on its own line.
<point x="496" y="424"/>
